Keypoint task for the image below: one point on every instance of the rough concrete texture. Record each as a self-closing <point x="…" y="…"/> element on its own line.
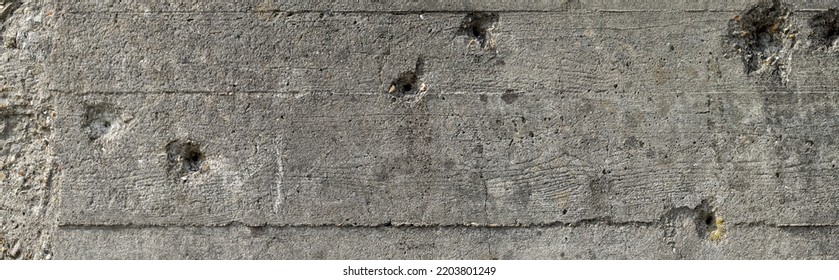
<point x="580" y="129"/>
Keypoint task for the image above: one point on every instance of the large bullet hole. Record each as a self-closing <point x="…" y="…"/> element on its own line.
<point x="98" y="120"/>
<point x="184" y="157"/>
<point x="761" y="36"/>
<point x="409" y="83"/>
<point x="478" y="27"/>
<point x="825" y="27"/>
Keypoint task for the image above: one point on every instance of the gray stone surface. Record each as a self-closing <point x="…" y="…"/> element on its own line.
<point x="28" y="191"/>
<point x="337" y="129"/>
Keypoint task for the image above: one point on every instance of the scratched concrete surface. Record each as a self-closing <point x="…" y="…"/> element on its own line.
<point x="585" y="129"/>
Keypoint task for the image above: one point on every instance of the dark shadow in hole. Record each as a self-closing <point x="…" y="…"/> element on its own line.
<point x="705" y="219"/>
<point x="478" y="26"/>
<point x="408" y="82"/>
<point x="98" y="120"/>
<point x="825" y="27"/>
<point x="759" y="35"/>
<point x="183" y="157"/>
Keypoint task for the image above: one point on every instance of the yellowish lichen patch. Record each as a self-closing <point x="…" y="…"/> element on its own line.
<point x="719" y="232"/>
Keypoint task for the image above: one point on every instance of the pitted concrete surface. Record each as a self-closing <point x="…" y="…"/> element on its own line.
<point x="480" y="130"/>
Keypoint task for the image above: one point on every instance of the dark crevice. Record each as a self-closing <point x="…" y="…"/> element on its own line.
<point x="478" y="26"/>
<point x="183" y="157"/>
<point x="705" y="219"/>
<point x="98" y="120"/>
<point x="825" y="26"/>
<point x="762" y="37"/>
<point x="408" y="82"/>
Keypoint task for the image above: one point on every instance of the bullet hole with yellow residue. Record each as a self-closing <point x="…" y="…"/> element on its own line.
<point x="708" y="225"/>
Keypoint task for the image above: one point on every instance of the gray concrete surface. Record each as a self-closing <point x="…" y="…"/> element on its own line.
<point x="338" y="129"/>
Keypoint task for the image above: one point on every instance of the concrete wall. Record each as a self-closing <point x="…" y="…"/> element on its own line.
<point x="512" y="130"/>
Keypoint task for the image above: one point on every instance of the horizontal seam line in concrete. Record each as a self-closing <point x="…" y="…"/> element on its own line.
<point x="312" y="92"/>
<point x="582" y="223"/>
<point x="418" y="12"/>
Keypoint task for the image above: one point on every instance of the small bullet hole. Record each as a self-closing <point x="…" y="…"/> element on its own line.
<point x="564" y="211"/>
<point x="193" y="160"/>
<point x="184" y="157"/>
<point x="706" y="220"/>
<point x="478" y="27"/>
<point x="404" y="84"/>
<point x="408" y="83"/>
<point x="98" y="120"/>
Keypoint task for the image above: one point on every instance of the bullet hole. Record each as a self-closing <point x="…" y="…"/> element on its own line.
<point x="564" y="211"/>
<point x="708" y="224"/>
<point x="478" y="27"/>
<point x="509" y="96"/>
<point x="762" y="37"/>
<point x="98" y="120"/>
<point x="704" y="219"/>
<point x="183" y="157"/>
<point x="405" y="84"/>
<point x="825" y="26"/>
<point x="409" y="83"/>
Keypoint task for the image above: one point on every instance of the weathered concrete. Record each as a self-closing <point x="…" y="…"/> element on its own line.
<point x="28" y="191"/>
<point x="570" y="129"/>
